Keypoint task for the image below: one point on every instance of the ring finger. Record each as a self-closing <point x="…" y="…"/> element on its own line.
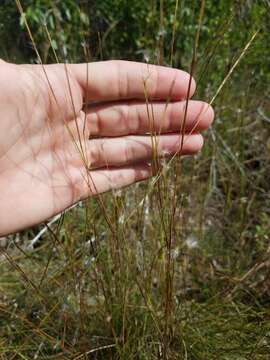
<point x="126" y="150"/>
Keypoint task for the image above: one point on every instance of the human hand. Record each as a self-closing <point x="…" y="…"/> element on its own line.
<point x="54" y="151"/>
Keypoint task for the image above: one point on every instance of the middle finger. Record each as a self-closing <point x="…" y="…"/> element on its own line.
<point x="118" y="119"/>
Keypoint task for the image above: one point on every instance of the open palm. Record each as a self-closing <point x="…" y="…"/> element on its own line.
<point x="71" y="131"/>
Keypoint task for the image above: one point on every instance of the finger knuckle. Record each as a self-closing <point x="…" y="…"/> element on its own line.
<point x="96" y="154"/>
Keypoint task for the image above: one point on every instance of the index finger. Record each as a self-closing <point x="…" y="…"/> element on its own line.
<point x="116" y="80"/>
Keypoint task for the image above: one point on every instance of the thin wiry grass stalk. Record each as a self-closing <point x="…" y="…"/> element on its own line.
<point x="174" y="31"/>
<point x="242" y="54"/>
<point x="219" y="89"/>
<point x="161" y="33"/>
<point x="92" y="351"/>
<point x="169" y="263"/>
<point x="51" y="43"/>
<point x="211" y="50"/>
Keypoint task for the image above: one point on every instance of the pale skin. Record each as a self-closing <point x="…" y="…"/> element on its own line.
<point x="55" y="151"/>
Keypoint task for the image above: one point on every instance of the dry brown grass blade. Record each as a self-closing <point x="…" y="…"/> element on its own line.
<point x="92" y="351"/>
<point x="234" y="66"/>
